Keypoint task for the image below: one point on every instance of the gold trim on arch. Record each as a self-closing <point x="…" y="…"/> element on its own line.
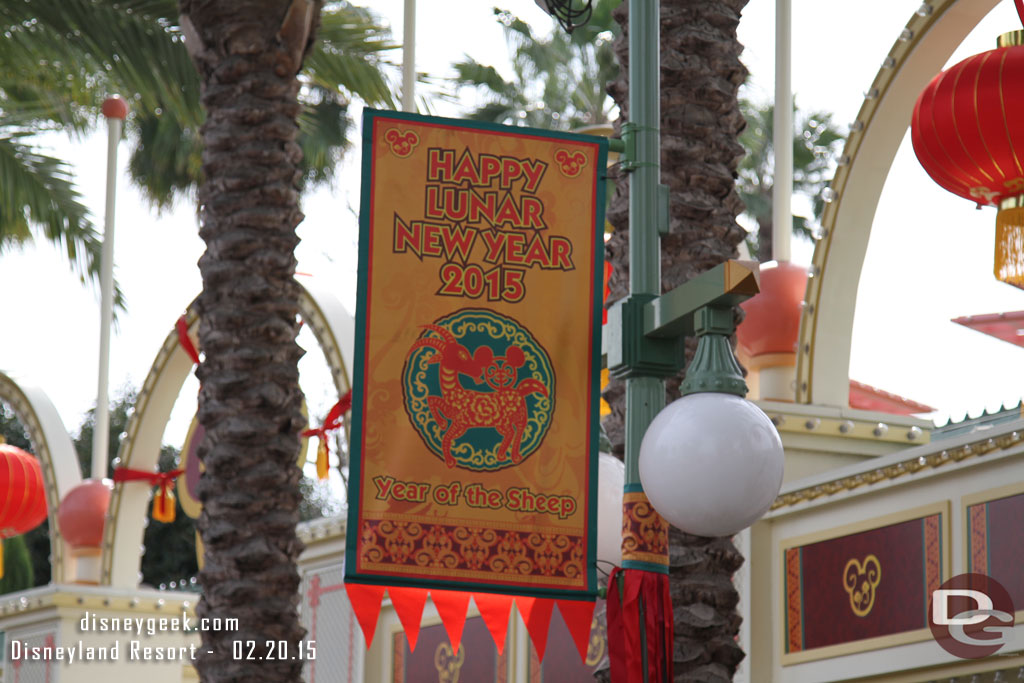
<point x="916" y="28"/>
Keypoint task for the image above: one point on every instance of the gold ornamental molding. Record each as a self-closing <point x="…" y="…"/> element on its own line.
<point x="911" y="465"/>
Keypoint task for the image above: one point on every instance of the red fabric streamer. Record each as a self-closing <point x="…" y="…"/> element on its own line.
<point x="332" y="422"/>
<point x="163" y="503"/>
<point x="639" y="619"/>
<point x="185" y="340"/>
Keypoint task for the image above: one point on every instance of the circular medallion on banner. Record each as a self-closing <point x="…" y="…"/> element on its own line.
<point x="479" y="390"/>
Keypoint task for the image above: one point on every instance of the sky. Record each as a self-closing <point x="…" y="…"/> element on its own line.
<point x="929" y="258"/>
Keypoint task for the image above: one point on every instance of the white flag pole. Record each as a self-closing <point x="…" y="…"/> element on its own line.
<point x="115" y="110"/>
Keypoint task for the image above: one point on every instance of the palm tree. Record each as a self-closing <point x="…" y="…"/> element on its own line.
<point x="249" y="150"/>
<point x="248" y="56"/>
<point x="60" y="59"/>
<point x="700" y="125"/>
<point x="559" y="81"/>
<point x="815" y="144"/>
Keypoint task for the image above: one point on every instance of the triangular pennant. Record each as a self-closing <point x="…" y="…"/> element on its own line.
<point x="452" y="606"/>
<point x="365" y="601"/>
<point x="495" y="609"/>
<point x="408" y="604"/>
<point x="536" y="613"/>
<point x="578" y="616"/>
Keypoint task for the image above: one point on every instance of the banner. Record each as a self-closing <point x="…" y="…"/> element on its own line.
<point x="475" y="423"/>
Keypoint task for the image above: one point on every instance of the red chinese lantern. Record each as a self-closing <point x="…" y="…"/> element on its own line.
<point x="82" y="513"/>
<point x="968" y="134"/>
<point x="22" y="494"/>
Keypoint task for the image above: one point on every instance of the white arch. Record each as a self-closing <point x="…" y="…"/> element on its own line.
<point x="334" y="329"/>
<point x="55" y="451"/>
<point x="826" y="329"/>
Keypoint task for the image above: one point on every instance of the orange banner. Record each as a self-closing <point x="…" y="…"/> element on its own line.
<point x="474" y="443"/>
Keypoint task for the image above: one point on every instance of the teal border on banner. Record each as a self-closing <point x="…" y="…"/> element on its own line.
<point x="370" y="117"/>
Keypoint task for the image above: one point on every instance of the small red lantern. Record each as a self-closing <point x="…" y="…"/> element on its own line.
<point x="83" y="511"/>
<point x="968" y="134"/>
<point x="22" y="494"/>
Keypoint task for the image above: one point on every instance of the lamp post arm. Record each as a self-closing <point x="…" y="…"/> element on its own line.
<point x="726" y="285"/>
<point x="645" y="333"/>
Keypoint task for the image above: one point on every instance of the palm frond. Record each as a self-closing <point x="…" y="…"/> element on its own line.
<point x="323" y="129"/>
<point x="166" y="158"/>
<point x="347" y="57"/>
<point x="37" y="191"/>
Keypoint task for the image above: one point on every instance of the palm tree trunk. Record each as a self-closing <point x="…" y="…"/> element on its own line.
<point x="248" y="53"/>
<point x="700" y="125"/>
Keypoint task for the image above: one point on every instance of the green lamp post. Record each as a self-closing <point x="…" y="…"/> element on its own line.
<point x="711" y="463"/>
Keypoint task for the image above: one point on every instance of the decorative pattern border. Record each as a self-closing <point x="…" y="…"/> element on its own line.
<point x="794" y="600"/>
<point x="468" y="552"/>
<point x="977" y="538"/>
<point x="644" y="532"/>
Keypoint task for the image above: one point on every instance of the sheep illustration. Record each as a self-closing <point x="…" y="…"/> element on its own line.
<point x="459" y="409"/>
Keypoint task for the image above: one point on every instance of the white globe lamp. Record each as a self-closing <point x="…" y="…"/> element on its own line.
<point x="711" y="463"/>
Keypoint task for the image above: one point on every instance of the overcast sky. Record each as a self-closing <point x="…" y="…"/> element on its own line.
<point x="929" y="260"/>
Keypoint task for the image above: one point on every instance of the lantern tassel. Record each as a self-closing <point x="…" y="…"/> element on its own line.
<point x="331" y="423"/>
<point x="322" y="463"/>
<point x="1009" y="258"/>
<point x="163" y="508"/>
<point x="163" y="504"/>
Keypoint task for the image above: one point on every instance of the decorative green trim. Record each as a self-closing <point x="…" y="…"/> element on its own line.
<point x="601" y="141"/>
<point x="714" y="367"/>
<point x="645" y="566"/>
<point x="596" y="361"/>
<point x="359" y="356"/>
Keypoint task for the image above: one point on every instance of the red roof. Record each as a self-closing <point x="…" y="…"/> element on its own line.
<point x="865" y="397"/>
<point x="1006" y="326"/>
